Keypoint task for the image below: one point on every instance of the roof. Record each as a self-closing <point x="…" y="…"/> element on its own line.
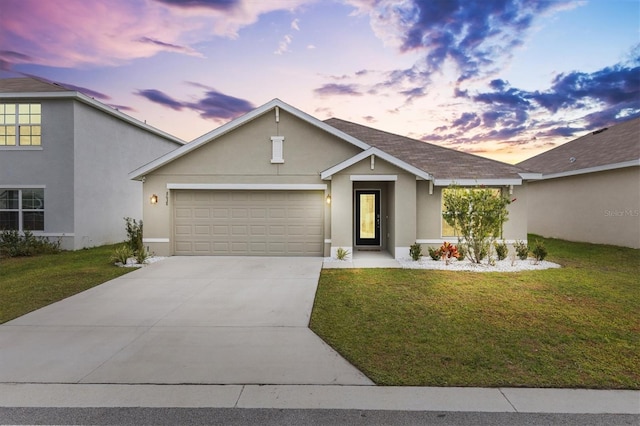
<point x="32" y="88"/>
<point x="444" y="164"/>
<point x="606" y="149"/>
<point x="20" y="85"/>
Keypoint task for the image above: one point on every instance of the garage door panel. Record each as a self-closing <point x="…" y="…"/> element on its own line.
<point x="276" y="223"/>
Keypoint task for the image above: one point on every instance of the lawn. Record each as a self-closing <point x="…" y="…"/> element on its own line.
<point x="29" y="283"/>
<point x="578" y="326"/>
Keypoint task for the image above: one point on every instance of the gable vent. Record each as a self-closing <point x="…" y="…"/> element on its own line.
<point x="277" y="149"/>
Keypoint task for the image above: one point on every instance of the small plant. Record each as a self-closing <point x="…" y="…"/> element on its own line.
<point x="122" y="254"/>
<point x="342" y="254"/>
<point x="415" y="251"/>
<point x="434" y="253"/>
<point x="539" y="251"/>
<point x="142" y="255"/>
<point x="134" y="235"/>
<point x="448" y="250"/>
<point x="462" y="252"/>
<point x="502" y="250"/>
<point x="522" y="250"/>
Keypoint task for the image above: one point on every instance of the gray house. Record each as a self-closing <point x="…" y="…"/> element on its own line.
<point x="590" y="188"/>
<point x="64" y="163"/>
<point x="277" y="181"/>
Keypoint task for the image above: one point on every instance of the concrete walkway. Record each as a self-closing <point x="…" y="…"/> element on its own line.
<point x="184" y="320"/>
<point x="223" y="333"/>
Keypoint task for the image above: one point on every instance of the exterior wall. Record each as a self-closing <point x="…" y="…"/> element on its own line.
<point x="106" y="150"/>
<point x="429" y="220"/>
<point x="602" y="208"/>
<point x="50" y="166"/>
<point x="243" y="156"/>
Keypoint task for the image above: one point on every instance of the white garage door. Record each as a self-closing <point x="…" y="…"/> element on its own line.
<point x="248" y="223"/>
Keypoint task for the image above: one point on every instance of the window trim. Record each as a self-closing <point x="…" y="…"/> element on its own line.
<point x="18" y="126"/>
<point x="20" y="209"/>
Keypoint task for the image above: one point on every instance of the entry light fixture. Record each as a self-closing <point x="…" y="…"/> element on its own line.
<point x="329" y="199"/>
<point x="154" y="199"/>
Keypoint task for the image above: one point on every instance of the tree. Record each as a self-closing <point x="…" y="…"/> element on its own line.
<point x="478" y="215"/>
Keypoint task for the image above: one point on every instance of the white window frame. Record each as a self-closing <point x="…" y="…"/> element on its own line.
<point x="20" y="210"/>
<point x="17" y="145"/>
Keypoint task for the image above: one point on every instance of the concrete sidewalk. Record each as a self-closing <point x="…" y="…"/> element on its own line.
<point x="498" y="400"/>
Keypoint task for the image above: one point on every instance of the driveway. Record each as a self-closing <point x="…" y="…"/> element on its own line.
<point x="196" y="320"/>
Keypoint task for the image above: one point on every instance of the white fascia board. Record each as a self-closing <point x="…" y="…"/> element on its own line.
<point x="97" y="105"/>
<point x="3" y="186"/>
<point x="369" y="178"/>
<point x="530" y="176"/>
<point x="476" y="182"/>
<point x="251" y="186"/>
<point x="326" y="175"/>
<point x="606" y="167"/>
<point x="225" y="128"/>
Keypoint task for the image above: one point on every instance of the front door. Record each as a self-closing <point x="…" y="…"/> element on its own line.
<point x="367" y="217"/>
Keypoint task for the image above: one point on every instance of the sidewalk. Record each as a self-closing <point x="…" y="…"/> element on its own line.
<point x="498" y="400"/>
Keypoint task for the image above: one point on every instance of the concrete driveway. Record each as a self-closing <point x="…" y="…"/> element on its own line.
<point x="183" y="320"/>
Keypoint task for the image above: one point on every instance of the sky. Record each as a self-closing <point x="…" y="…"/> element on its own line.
<point x="505" y="79"/>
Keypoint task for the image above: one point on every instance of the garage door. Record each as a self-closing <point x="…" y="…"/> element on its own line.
<point x="248" y="223"/>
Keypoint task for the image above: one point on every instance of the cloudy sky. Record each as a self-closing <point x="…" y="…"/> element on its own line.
<point x="501" y="78"/>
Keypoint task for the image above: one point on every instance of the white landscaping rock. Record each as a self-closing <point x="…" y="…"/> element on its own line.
<point x="506" y="265"/>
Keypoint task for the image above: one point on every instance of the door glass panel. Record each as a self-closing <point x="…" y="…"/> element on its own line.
<point x="367" y="216"/>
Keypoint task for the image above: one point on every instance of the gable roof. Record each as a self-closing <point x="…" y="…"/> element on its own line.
<point x="234" y="124"/>
<point x="32" y="88"/>
<point x="606" y="149"/>
<point x="445" y="165"/>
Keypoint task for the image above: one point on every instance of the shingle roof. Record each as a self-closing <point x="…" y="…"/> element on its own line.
<point x="609" y="146"/>
<point x="28" y="85"/>
<point x="442" y="163"/>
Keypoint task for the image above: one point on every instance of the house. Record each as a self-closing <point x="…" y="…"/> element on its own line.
<point x="278" y="181"/>
<point x="590" y="188"/>
<point x="64" y="163"/>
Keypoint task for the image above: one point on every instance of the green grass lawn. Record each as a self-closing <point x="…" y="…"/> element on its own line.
<point x="29" y="283"/>
<point x="578" y="326"/>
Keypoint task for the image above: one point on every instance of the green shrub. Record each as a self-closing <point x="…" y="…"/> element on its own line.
<point x="415" y="251"/>
<point x="342" y="254"/>
<point x="539" y="251"/>
<point x="462" y="252"/>
<point x="122" y="254"/>
<point x="141" y="255"/>
<point x="522" y="250"/>
<point x="435" y="254"/>
<point x="14" y="243"/>
<point x="134" y="235"/>
<point x="502" y="250"/>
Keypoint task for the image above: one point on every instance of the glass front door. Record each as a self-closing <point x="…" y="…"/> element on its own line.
<point x="367" y="218"/>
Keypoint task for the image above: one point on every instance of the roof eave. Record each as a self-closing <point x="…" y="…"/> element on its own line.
<point x="595" y="169"/>
<point x="478" y="182"/>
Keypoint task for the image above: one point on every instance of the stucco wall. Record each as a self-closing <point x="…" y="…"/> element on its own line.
<point x="601" y="208"/>
<point x="50" y="167"/>
<point x="106" y="150"/>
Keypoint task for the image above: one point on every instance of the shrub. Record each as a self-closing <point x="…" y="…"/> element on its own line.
<point x="415" y="251"/>
<point x="462" y="252"/>
<point x="14" y="244"/>
<point x="522" y="250"/>
<point x="478" y="214"/>
<point x="434" y="253"/>
<point x="539" y="251"/>
<point x="134" y="235"/>
<point x="141" y="255"/>
<point x="122" y="254"/>
<point x="342" y="254"/>
<point x="448" y="250"/>
<point x="502" y="250"/>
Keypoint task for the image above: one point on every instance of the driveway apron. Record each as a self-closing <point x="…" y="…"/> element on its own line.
<point x="183" y="320"/>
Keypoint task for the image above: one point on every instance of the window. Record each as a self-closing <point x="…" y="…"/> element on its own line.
<point x="22" y="209"/>
<point x="448" y="230"/>
<point x="20" y="125"/>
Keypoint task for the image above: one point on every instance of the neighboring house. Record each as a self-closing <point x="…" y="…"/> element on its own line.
<point x="277" y="181"/>
<point x="64" y="163"/>
<point x="590" y="188"/>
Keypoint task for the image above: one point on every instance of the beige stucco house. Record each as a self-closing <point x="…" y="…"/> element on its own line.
<point x="590" y="188"/>
<point x="278" y="181"/>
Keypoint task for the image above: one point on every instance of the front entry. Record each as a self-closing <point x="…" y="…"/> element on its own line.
<point x="367" y="217"/>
